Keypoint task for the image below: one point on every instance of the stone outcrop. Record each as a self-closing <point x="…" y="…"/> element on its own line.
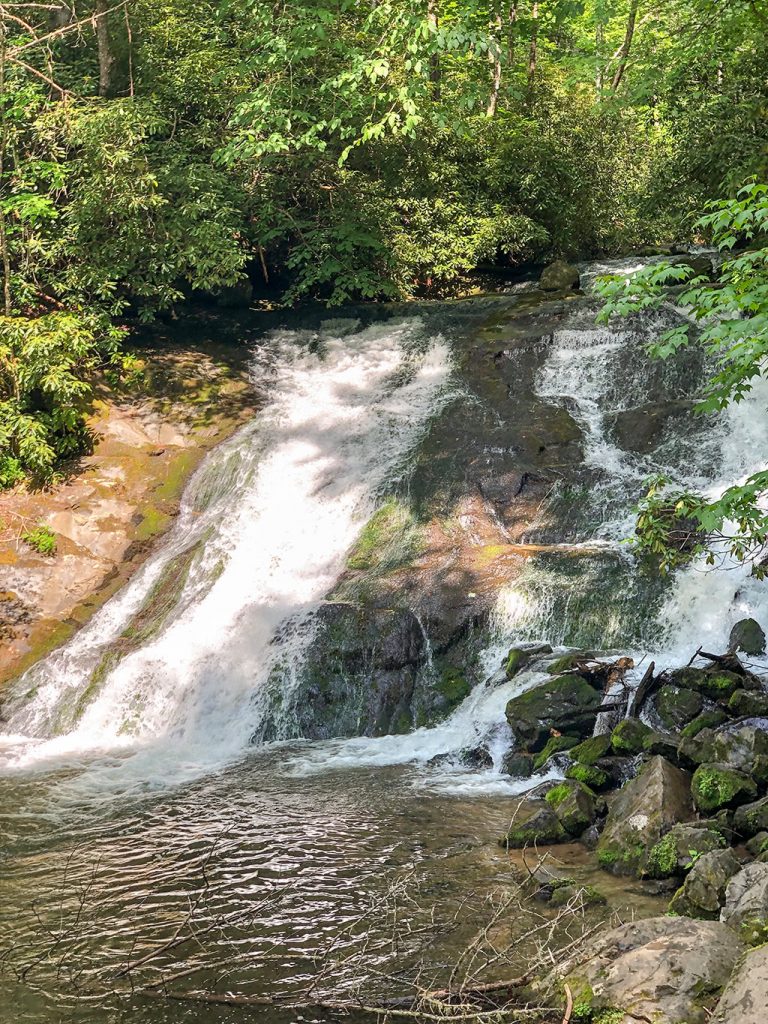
<point x="746" y="898"/>
<point x="566" y="703"/>
<point x="745" y="999"/>
<point x="703" y="892"/>
<point x="643" y="811"/>
<point x="667" y="970"/>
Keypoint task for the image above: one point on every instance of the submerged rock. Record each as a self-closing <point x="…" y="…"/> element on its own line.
<point x="745" y="998"/>
<point x="541" y="828"/>
<point x="747" y="636"/>
<point x="567" y="704"/>
<point x="643" y="811"/>
<point x="559" y="277"/>
<point x="703" y="892"/>
<point x="662" y="969"/>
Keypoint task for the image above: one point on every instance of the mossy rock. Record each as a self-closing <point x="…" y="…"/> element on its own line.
<point x="706" y="720"/>
<point x="453" y="687"/>
<point x="662" y="743"/>
<point x="679" y="849"/>
<point x="543" y="828"/>
<point x="747" y="636"/>
<point x="748" y="704"/>
<point x="575" y="806"/>
<point x="703" y="892"/>
<point x="568" y="662"/>
<point x="715" y="786"/>
<point x="714" y="683"/>
<point x="628" y="737"/>
<point x="589" y="774"/>
<point x="577" y="895"/>
<point x="554" y="745"/>
<point x="677" y="706"/>
<point x="567" y="704"/>
<point x="698" y="749"/>
<point x="591" y="750"/>
<point x="519" y="766"/>
<point x="515" y="662"/>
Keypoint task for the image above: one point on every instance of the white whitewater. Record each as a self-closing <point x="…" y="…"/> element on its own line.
<point x="278" y="509"/>
<point x="275" y="512"/>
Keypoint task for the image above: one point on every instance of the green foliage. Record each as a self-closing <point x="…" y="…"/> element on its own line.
<point x="42" y="539"/>
<point x="729" y="321"/>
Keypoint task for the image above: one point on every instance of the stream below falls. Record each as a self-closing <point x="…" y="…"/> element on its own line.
<point x="160" y="789"/>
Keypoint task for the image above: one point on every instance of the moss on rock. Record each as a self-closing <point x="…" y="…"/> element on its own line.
<point x="590" y="751"/>
<point x="715" y="786"/>
<point x="628" y="737"/>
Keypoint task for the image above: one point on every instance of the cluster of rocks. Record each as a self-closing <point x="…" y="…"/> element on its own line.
<point x="674" y="794"/>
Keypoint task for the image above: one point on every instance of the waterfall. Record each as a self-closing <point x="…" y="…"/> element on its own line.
<point x="177" y="659"/>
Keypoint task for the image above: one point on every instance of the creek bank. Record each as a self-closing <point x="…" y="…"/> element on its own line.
<point x="688" y="816"/>
<point x="108" y="511"/>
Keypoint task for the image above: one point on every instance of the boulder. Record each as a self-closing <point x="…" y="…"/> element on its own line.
<point x="574" y="804"/>
<point x="643" y="811"/>
<point x="703" y="892"/>
<point x="676" y="706"/>
<point x="706" y="720"/>
<point x="519" y="766"/>
<point x="567" y="704"/>
<point x="750" y="819"/>
<point x="719" y="785"/>
<point x="747" y="636"/>
<point x="629" y="736"/>
<point x="745" y="747"/>
<point x="757" y="845"/>
<point x="590" y="751"/>
<point x="662" y="743"/>
<point x="746" y="898"/>
<point x="679" y="848"/>
<point x="542" y="828"/>
<point x="661" y="969"/>
<point x="554" y="745"/>
<point x="590" y="775"/>
<point x="698" y="749"/>
<point x="749" y="704"/>
<point x="701" y="265"/>
<point x="559" y="277"/>
<point x="716" y="683"/>
<point x="745" y="999"/>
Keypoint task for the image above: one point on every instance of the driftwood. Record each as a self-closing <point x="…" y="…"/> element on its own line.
<point x="645" y="688"/>
<point x="729" y="662"/>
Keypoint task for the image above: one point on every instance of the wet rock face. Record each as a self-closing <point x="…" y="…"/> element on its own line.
<point x="643" y="811"/>
<point x="745" y="998"/>
<point x="664" y="969"/>
<point x="364" y="674"/>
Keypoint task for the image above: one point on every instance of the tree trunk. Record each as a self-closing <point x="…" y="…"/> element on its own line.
<point x="626" y="46"/>
<point x="434" y="60"/>
<point x="533" y="51"/>
<point x="494" y="56"/>
<point x="599" y="40"/>
<point x="512" y="35"/>
<point x="106" y="57"/>
<point x="4" y="252"/>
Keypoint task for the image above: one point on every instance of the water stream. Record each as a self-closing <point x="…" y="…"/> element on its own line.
<point x="130" y="792"/>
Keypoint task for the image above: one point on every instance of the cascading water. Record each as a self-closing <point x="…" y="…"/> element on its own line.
<point x="262" y="535"/>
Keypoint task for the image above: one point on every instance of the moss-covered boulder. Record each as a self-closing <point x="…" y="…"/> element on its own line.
<point x="703" y="892"/>
<point x="749" y="704"/>
<point x="745" y="747"/>
<point x="567" y="704"/>
<point x="706" y="720"/>
<point x="590" y="751"/>
<point x="577" y="896"/>
<point x="640" y="814"/>
<point x="717" y="684"/>
<point x="574" y="804"/>
<point x="679" y="848"/>
<point x="715" y="786"/>
<point x="628" y="737"/>
<point x="676" y="706"/>
<point x="747" y="636"/>
<point x="589" y="774"/>
<point x="519" y="658"/>
<point x="559" y="277"/>
<point x="554" y="745"/>
<point x="751" y="818"/>
<point x="542" y="828"/>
